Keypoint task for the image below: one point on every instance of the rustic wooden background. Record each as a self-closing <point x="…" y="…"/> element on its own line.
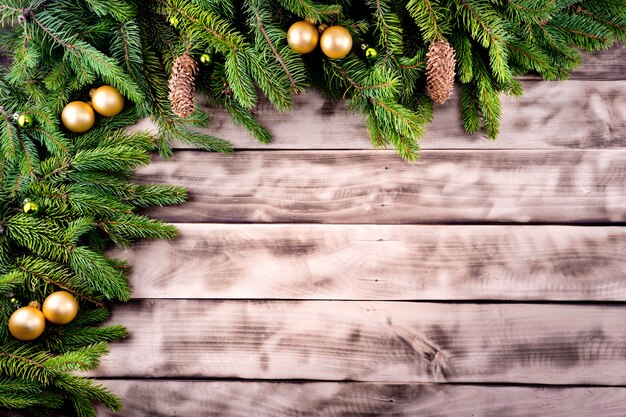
<point x="315" y="276"/>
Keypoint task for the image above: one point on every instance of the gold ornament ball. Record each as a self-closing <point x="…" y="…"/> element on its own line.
<point x="27" y="323"/>
<point x="78" y="117"/>
<point x="60" y="307"/>
<point x="336" y="42"/>
<point x="302" y="37"/>
<point x="24" y="120"/>
<point x="107" y="101"/>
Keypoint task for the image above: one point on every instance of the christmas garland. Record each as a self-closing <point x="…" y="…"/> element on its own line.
<point x="392" y="60"/>
<point x="82" y="70"/>
<point x="66" y="192"/>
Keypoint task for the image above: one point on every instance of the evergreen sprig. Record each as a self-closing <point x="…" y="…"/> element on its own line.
<point x="82" y="185"/>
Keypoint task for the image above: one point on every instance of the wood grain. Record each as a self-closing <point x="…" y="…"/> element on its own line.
<point x="568" y="114"/>
<point x="379" y="187"/>
<point x="263" y="399"/>
<point x="365" y="262"/>
<point x="371" y="341"/>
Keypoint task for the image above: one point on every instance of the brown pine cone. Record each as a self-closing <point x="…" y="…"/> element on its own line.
<point x="440" y="71"/>
<point x="183" y="85"/>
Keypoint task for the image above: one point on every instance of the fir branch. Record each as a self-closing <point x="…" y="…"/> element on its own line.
<point x="389" y="28"/>
<point x="243" y="117"/>
<point x="210" y="23"/>
<point x="491" y="37"/>
<point x="427" y="17"/>
<point x="310" y="10"/>
<point x="94" y="60"/>
<point x="59" y="284"/>
<point x="278" y="57"/>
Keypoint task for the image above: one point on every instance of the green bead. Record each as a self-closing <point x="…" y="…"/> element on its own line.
<point x="24" y="120"/>
<point x="205" y="59"/>
<point x="14" y="300"/>
<point x="30" y="207"/>
<point x="174" y="21"/>
<point x="371" y="54"/>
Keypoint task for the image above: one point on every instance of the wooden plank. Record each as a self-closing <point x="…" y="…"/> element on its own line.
<point x="365" y="262"/>
<point x="264" y="399"/>
<point x="371" y="341"/>
<point x="379" y="187"/>
<point x="568" y="114"/>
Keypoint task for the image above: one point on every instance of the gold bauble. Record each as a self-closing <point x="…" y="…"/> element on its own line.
<point x="302" y="37"/>
<point x="27" y="323"/>
<point x="60" y="307"/>
<point x="107" y="101"/>
<point x="336" y="42"/>
<point x="78" y="117"/>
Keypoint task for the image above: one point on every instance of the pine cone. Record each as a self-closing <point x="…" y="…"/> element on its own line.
<point x="440" y="71"/>
<point x="183" y="85"/>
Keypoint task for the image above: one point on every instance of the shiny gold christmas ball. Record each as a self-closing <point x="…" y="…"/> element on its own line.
<point x="336" y="42"/>
<point x="60" y="307"/>
<point x="30" y="207"/>
<point x="107" y="101"/>
<point x="78" y="117"/>
<point x="24" y="120"/>
<point x="302" y="37"/>
<point x="27" y="323"/>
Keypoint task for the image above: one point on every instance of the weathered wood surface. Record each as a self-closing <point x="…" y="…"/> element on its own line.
<point x="371" y="341"/>
<point x="534" y="173"/>
<point x="567" y="114"/>
<point x="366" y="262"/>
<point x="264" y="399"/>
<point x="378" y="187"/>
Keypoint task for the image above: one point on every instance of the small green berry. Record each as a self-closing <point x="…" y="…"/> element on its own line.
<point x="206" y="59"/>
<point x="24" y="120"/>
<point x="30" y="207"/>
<point x="371" y="54"/>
